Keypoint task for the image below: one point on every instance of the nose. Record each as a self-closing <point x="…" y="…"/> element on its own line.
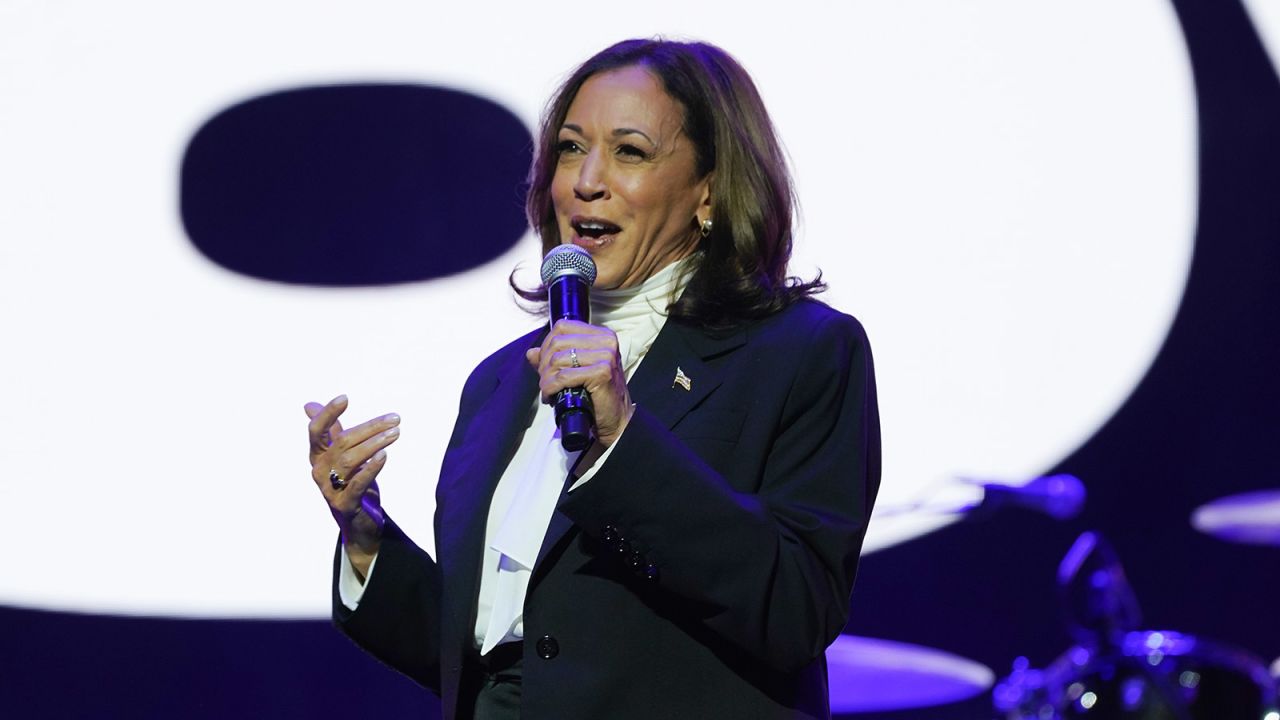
<point x="592" y="183"/>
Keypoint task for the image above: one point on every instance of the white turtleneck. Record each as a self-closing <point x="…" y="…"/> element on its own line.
<point x="525" y="498"/>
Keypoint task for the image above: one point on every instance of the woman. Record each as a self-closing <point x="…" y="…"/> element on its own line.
<point x="698" y="558"/>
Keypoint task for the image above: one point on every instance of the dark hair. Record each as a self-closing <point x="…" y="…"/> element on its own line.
<point x="741" y="272"/>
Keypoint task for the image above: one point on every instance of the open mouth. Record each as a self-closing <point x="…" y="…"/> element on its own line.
<point x="593" y="232"/>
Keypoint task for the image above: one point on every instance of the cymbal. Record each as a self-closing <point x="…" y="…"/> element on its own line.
<point x="873" y="675"/>
<point x="1252" y="517"/>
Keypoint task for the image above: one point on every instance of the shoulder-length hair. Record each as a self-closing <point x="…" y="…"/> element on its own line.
<point x="741" y="271"/>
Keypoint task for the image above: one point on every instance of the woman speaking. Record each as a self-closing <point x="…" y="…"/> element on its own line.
<point x="697" y="557"/>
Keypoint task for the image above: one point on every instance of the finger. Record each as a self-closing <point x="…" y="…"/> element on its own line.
<point x="365" y="430"/>
<point x="592" y="377"/>
<point x="606" y="341"/>
<point x="610" y="399"/>
<point x="365" y="476"/>
<point x="603" y="339"/>
<point x="532" y="355"/>
<point x="565" y="326"/>
<point x="348" y="465"/>
<point x="564" y="358"/>
<point x="577" y="332"/>
<point x="324" y="422"/>
<point x="360" y="491"/>
<point x="346" y="462"/>
<point x="358" y="455"/>
<point x="571" y="328"/>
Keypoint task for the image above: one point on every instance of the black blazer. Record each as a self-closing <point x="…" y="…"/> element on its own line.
<point x="706" y="566"/>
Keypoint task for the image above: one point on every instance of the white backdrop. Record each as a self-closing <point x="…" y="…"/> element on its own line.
<point x="1003" y="192"/>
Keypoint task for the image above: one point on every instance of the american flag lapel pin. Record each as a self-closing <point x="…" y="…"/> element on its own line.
<point x="682" y="380"/>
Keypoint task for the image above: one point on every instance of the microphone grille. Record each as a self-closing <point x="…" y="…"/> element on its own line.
<point x="568" y="260"/>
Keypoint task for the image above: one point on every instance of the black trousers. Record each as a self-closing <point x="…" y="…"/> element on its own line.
<point x="491" y="684"/>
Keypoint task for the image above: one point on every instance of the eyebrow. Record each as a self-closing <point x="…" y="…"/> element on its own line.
<point x="616" y="133"/>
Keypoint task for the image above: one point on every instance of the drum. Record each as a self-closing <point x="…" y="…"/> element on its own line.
<point x="1150" y="675"/>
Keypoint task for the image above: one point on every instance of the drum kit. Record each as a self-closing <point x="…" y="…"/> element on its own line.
<point x="1115" y="669"/>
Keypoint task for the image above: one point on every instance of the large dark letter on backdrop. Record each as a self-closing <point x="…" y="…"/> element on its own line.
<point x="351" y="185"/>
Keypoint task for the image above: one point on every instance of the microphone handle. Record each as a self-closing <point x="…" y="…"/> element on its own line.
<point x="568" y="300"/>
<point x="575" y="417"/>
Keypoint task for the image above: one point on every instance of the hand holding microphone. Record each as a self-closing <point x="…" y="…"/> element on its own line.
<point x="578" y="364"/>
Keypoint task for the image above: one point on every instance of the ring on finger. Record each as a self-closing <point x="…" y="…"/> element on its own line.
<point x="337" y="481"/>
<point x="573" y="356"/>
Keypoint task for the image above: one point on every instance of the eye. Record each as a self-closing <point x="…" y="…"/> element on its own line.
<point x="568" y="146"/>
<point x="631" y="151"/>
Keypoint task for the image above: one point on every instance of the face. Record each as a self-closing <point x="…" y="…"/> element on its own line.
<point x="625" y="187"/>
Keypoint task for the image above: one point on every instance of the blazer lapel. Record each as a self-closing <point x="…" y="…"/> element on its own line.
<point x="680" y="352"/>
<point x="468" y="484"/>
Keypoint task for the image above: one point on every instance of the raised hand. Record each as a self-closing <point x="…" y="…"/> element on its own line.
<point x="345" y="466"/>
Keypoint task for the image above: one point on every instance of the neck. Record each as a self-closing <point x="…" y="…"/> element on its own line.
<point x="655" y="294"/>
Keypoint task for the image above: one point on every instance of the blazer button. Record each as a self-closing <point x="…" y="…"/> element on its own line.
<point x="610" y="534"/>
<point x="547" y="647"/>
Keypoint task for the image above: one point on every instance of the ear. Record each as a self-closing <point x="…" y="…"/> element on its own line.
<point x="704" y="202"/>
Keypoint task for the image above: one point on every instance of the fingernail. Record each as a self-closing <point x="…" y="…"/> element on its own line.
<point x="391" y="418"/>
<point x="379" y="456"/>
<point x="392" y="432"/>
<point x="342" y="399"/>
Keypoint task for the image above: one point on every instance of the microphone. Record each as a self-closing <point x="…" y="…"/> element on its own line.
<point x="568" y="272"/>
<point x="1059" y="496"/>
